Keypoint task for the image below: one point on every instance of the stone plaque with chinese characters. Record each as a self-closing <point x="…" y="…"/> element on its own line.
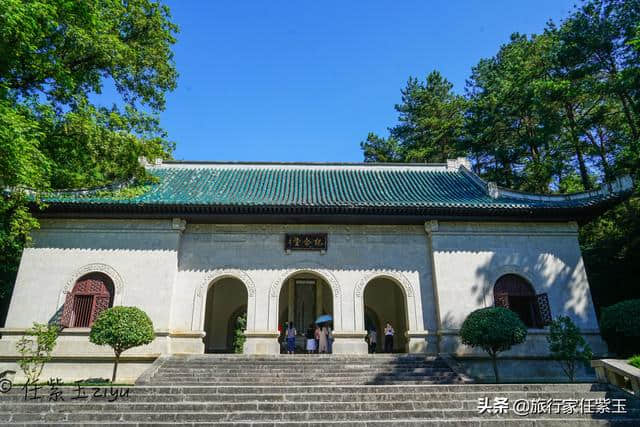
<point x="305" y="242"/>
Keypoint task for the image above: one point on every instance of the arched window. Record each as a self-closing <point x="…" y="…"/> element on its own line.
<point x="515" y="293"/>
<point x="91" y="294"/>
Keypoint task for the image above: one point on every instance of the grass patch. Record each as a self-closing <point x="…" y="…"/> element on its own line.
<point x="635" y="361"/>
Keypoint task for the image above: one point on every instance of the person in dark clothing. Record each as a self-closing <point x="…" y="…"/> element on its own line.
<point x="373" y="340"/>
<point x="388" y="338"/>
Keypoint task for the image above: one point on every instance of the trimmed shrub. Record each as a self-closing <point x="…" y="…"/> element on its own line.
<point x="121" y="328"/>
<point x="620" y="327"/>
<point x="494" y="329"/>
<point x="567" y="345"/>
<point x="635" y="361"/>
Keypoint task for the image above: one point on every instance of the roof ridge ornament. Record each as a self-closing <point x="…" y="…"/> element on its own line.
<point x="456" y="164"/>
<point x="493" y="190"/>
<point x="620" y="185"/>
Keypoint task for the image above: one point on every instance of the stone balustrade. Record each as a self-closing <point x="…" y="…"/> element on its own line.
<point x="619" y="373"/>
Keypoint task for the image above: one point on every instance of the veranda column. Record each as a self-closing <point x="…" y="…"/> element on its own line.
<point x="318" y="299"/>
<point x="348" y="335"/>
<point x="291" y="300"/>
<point x="262" y="334"/>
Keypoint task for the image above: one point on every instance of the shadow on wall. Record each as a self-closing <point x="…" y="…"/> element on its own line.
<point x="57" y="316"/>
<point x="563" y="281"/>
<point x="105" y="240"/>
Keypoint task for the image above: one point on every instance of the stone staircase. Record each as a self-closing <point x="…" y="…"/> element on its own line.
<point x="301" y="370"/>
<point x="311" y="390"/>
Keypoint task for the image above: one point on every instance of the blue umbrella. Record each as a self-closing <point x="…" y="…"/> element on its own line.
<point x="324" y="318"/>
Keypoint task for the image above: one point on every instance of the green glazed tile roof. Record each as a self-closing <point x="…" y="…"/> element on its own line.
<point x="324" y="189"/>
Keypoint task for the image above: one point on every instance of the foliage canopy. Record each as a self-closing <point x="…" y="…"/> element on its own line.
<point x="121" y="328"/>
<point x="620" y="327"/>
<point x="567" y="345"/>
<point x="552" y="112"/>
<point x="56" y="58"/>
<point x="493" y="329"/>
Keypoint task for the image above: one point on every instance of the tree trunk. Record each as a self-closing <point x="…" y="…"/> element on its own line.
<point x="601" y="147"/>
<point x="584" y="174"/>
<point x="115" y="367"/>
<point x="572" y="372"/>
<point x="494" y="362"/>
<point x="624" y="100"/>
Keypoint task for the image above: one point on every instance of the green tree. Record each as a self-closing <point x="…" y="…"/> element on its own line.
<point x="493" y="329"/>
<point x="239" y="337"/>
<point x="55" y="58"/>
<point x="35" y="353"/>
<point x="552" y="112"/>
<point x="620" y="327"/>
<point x="431" y="119"/>
<point x="512" y="131"/>
<point x="377" y="149"/>
<point x="121" y="328"/>
<point x="567" y="345"/>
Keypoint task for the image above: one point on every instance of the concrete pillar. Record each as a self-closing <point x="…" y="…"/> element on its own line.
<point x="319" y="287"/>
<point x="291" y="302"/>
<point x="417" y="342"/>
<point x="349" y="342"/>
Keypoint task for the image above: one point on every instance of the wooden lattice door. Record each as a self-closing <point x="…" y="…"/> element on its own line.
<point x="89" y="297"/>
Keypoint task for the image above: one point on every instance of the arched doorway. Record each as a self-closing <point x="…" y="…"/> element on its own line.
<point x="371" y="323"/>
<point x="518" y="295"/>
<point x="385" y="301"/>
<point x="91" y="294"/>
<point x="226" y="300"/>
<point x="303" y="298"/>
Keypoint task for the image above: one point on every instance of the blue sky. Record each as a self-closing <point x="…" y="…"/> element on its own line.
<point x="306" y="81"/>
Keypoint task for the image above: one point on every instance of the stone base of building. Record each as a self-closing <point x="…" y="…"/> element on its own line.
<point x="521" y="369"/>
<point x="350" y="343"/>
<point x="420" y="342"/>
<point x="76" y="358"/>
<point x="264" y="342"/>
<point x="71" y="368"/>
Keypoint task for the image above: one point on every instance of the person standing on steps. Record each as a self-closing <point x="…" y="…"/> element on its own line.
<point x="388" y="338"/>
<point x="291" y="338"/>
<point x="311" y="340"/>
<point x="373" y="340"/>
<point x="324" y="333"/>
<point x="329" y="339"/>
<point x="316" y="335"/>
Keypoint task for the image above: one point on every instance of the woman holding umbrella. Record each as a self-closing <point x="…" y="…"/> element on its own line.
<point x="324" y="333"/>
<point x="323" y="346"/>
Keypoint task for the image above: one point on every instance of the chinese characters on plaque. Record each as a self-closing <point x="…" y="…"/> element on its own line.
<point x="305" y="242"/>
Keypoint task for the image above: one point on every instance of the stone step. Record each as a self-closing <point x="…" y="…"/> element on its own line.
<point x="286" y="392"/>
<point x="302" y="362"/>
<point x="247" y="406"/>
<point x="302" y="368"/>
<point x="347" y="389"/>
<point x="258" y="416"/>
<point x="312" y="375"/>
<point x="134" y="396"/>
<point x="500" y="422"/>
<point x="315" y="368"/>
<point x="191" y="371"/>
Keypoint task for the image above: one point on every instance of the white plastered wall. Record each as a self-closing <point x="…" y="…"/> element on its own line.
<point x="469" y="257"/>
<point x="255" y="254"/>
